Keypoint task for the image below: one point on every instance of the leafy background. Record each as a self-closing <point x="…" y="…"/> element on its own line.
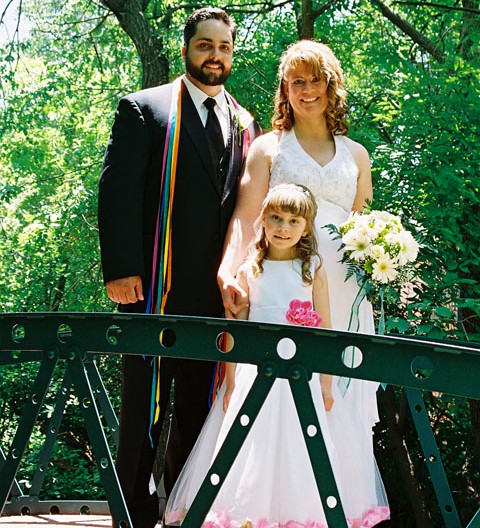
<point x="412" y="71"/>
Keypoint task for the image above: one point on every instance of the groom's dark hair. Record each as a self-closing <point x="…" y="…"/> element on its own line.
<point x="207" y="13"/>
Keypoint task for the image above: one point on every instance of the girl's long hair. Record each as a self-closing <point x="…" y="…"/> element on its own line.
<point x="297" y="200"/>
<point x="324" y="65"/>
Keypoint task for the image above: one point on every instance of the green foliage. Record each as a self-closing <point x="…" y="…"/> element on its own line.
<point x="418" y="118"/>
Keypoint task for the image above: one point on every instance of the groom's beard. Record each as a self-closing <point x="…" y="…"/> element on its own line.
<point x="207" y="78"/>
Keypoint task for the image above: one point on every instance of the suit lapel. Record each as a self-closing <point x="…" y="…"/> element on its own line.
<point x="235" y="155"/>
<point x="192" y="124"/>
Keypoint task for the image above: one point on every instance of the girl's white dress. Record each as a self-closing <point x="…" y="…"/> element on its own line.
<point x="271" y="483"/>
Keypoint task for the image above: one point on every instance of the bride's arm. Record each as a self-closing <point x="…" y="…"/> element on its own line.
<point x="364" y="181"/>
<point x="252" y="190"/>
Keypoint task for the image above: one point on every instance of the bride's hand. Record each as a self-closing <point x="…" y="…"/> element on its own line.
<point x="234" y="298"/>
<point x="327" y="400"/>
<point x="227" y="396"/>
<point x="326" y="386"/>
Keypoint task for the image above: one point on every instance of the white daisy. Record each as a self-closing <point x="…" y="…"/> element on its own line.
<point x="384" y="270"/>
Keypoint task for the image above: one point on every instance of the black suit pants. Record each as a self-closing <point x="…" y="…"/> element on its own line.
<point x="136" y="454"/>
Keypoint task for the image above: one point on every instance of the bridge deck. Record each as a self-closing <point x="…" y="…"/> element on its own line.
<point x="57" y="521"/>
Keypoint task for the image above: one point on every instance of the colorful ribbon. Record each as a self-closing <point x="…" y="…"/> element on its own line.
<point x="162" y="249"/>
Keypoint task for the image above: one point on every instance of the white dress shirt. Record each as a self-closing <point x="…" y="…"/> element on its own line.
<point x="221" y="108"/>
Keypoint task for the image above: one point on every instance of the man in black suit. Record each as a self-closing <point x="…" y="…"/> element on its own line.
<point x="207" y="173"/>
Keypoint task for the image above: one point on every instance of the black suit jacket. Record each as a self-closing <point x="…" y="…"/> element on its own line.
<point x="129" y="197"/>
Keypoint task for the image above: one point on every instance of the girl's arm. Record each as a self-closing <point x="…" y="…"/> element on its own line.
<point x="230" y="368"/>
<point x="321" y="304"/>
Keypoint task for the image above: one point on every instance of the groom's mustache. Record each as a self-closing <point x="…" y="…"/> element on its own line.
<point x="214" y="63"/>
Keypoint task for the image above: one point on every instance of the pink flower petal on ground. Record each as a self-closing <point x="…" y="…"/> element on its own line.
<point x="176" y="516"/>
<point x="375" y="515"/>
<point x="217" y="520"/>
<point x="293" y="524"/>
<point x="264" y="523"/>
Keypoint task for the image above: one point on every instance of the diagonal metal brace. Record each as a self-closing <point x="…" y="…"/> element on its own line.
<point x="432" y="458"/>
<point x="26" y="425"/>
<point x="317" y="450"/>
<point x="101" y="451"/>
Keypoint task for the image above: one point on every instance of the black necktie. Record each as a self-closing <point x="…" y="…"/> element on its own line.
<point x="213" y="128"/>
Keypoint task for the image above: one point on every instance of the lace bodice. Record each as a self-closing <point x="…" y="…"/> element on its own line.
<point x="335" y="182"/>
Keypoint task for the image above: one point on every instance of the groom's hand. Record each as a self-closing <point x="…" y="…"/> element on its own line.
<point x="125" y="290"/>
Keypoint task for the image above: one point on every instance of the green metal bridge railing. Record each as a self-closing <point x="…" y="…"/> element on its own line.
<point x="76" y="338"/>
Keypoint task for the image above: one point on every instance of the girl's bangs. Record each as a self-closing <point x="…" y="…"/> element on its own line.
<point x="296" y="205"/>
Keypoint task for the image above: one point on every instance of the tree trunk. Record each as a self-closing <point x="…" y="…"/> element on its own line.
<point x="475" y="419"/>
<point x="307" y="20"/>
<point x="470" y="26"/>
<point x="403" y="462"/>
<point x="149" y="44"/>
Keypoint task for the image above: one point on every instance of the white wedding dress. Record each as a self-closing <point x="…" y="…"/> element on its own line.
<point x="271" y="483"/>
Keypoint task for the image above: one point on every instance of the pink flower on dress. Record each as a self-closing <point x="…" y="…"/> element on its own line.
<point x="302" y="313"/>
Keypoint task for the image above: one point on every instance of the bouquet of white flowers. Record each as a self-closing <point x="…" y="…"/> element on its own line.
<point x="377" y="248"/>
<point x="380" y="252"/>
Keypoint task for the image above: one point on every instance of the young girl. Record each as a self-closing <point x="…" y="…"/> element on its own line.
<point x="285" y="247"/>
<point x="271" y="482"/>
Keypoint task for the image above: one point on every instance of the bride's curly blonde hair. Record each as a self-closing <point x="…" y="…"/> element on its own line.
<point x="297" y="200"/>
<point x="324" y="65"/>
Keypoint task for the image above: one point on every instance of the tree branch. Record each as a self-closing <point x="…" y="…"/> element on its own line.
<point x="408" y="29"/>
<point x="325" y="7"/>
<point x="439" y="6"/>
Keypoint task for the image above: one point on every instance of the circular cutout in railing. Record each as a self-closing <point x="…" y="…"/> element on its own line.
<point x="244" y="420"/>
<point x="225" y="342"/>
<point x="18" y="333"/>
<point x="54" y="510"/>
<point x="311" y="430"/>
<point x="214" y="479"/>
<point x="331" y="502"/>
<point x="421" y="367"/>
<point x="112" y="335"/>
<point x="25" y="510"/>
<point x="167" y="337"/>
<point x="84" y="510"/>
<point x="286" y="348"/>
<point x="352" y="357"/>
<point x="64" y="333"/>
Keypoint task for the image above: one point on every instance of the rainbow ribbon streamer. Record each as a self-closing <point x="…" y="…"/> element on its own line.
<point x="162" y="255"/>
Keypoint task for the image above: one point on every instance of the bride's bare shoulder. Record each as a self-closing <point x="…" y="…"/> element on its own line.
<point x="267" y="144"/>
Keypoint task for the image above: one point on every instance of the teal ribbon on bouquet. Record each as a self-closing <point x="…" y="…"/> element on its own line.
<point x="348" y="355"/>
